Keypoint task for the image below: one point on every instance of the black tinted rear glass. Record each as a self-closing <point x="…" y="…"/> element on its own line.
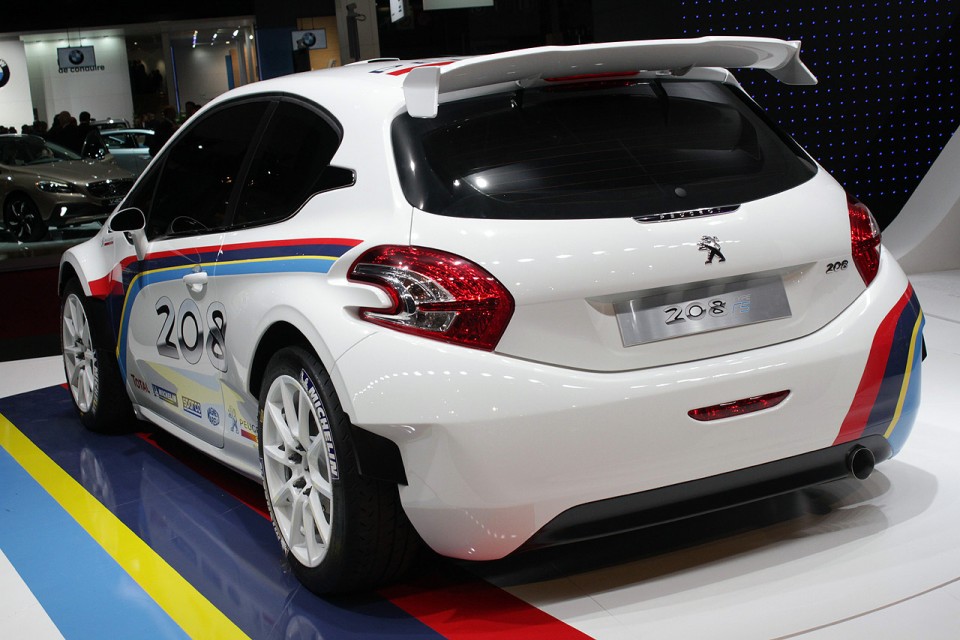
<point x="595" y="151"/>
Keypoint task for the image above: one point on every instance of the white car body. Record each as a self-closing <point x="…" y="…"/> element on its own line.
<point x="497" y="444"/>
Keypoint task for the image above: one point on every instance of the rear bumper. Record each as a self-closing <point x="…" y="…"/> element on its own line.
<point x="495" y="448"/>
<point x="657" y="506"/>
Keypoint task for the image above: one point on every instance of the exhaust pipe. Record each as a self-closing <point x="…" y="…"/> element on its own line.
<point x="860" y="462"/>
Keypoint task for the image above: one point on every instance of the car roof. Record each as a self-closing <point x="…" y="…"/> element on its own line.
<point x="110" y="132"/>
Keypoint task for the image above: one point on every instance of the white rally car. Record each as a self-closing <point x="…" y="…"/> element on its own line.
<point x="498" y="302"/>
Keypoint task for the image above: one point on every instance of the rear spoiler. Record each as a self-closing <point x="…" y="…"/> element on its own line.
<point x="423" y="85"/>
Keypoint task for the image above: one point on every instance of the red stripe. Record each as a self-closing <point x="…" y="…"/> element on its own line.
<point x="406" y="70"/>
<point x="246" y="491"/>
<point x="254" y="245"/>
<point x="856" y="419"/>
<point x="350" y="242"/>
<point x="465" y="607"/>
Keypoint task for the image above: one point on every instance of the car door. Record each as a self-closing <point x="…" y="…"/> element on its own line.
<point x="264" y="256"/>
<point x="174" y="336"/>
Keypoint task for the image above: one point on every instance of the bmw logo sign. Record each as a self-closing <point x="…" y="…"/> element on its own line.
<point x="4" y="73"/>
<point x="309" y="39"/>
<point x="76" y="56"/>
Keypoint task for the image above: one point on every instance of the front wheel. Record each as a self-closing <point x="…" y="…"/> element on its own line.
<point x="90" y="365"/>
<point x="341" y="532"/>
<point x="22" y="218"/>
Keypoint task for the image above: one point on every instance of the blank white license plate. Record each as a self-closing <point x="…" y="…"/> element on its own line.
<point x="711" y="308"/>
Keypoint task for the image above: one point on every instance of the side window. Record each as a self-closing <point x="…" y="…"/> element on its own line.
<point x="141" y="196"/>
<point x="200" y="171"/>
<point x="290" y="165"/>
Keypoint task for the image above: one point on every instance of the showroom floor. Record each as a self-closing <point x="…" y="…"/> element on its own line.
<point x="137" y="536"/>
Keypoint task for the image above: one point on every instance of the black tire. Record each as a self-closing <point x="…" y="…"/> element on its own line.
<point x="22" y="218"/>
<point x="89" y="355"/>
<point x="370" y="541"/>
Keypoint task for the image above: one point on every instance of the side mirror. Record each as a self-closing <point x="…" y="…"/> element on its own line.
<point x="131" y="223"/>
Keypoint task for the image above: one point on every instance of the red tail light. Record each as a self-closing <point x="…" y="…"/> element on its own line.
<point x="435" y="295"/>
<point x="864" y="239"/>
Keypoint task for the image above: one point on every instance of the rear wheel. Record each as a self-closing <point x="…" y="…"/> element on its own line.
<point x="22" y="218"/>
<point x="90" y="364"/>
<point x="341" y="531"/>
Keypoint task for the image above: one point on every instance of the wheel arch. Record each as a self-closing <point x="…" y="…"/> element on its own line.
<point x="279" y="335"/>
<point x="376" y="456"/>
<point x="67" y="273"/>
<point x="19" y="191"/>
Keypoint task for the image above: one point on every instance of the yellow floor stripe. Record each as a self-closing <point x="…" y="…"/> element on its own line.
<point x="182" y="602"/>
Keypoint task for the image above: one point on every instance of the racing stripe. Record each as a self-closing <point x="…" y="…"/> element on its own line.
<point x="180" y="600"/>
<point x="315" y="255"/>
<point x="909" y="399"/>
<point x="880" y="400"/>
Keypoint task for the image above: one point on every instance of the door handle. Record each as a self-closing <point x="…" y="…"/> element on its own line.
<point x="196" y="281"/>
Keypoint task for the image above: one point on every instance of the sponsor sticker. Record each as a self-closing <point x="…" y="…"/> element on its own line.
<point x="170" y="397"/>
<point x="323" y="423"/>
<point x="240" y="425"/>
<point x="192" y="407"/>
<point x="213" y="416"/>
<point x="139" y="384"/>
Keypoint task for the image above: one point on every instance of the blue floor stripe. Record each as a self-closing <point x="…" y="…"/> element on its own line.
<point x="83" y="590"/>
<point x="222" y="547"/>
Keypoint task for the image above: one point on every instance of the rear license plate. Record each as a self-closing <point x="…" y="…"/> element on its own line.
<point x="711" y="308"/>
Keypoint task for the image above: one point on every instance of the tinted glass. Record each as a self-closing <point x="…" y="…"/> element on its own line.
<point x="32" y="150"/>
<point x="589" y="151"/>
<point x="289" y="165"/>
<point x="199" y="172"/>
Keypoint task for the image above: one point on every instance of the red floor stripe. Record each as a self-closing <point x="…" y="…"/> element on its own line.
<point x="246" y="491"/>
<point x="466" y="607"/>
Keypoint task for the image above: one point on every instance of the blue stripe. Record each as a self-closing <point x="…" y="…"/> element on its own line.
<point x="83" y="590"/>
<point x="911" y="401"/>
<point x="307" y="265"/>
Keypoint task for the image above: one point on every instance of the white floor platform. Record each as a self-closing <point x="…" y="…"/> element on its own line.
<point x="878" y="559"/>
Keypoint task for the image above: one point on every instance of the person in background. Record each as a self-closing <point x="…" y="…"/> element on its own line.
<point x="164" y="128"/>
<point x="66" y="134"/>
<point x="190" y="109"/>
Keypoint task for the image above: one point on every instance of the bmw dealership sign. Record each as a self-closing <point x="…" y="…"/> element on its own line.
<point x="4" y="73"/>
<point x="77" y="59"/>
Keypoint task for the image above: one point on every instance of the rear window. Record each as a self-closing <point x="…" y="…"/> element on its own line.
<point x="595" y="151"/>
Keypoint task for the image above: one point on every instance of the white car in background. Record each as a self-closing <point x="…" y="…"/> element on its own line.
<point x="130" y="148"/>
<point x="498" y="302"/>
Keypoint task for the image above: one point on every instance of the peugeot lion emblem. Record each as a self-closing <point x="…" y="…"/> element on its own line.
<point x="711" y="244"/>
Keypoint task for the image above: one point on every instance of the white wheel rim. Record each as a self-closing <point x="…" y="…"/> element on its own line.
<point x="297" y="471"/>
<point x="79" y="358"/>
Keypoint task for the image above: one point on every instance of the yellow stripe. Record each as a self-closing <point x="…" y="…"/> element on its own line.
<point x="906" y="377"/>
<point x="180" y="599"/>
<point x="276" y="258"/>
